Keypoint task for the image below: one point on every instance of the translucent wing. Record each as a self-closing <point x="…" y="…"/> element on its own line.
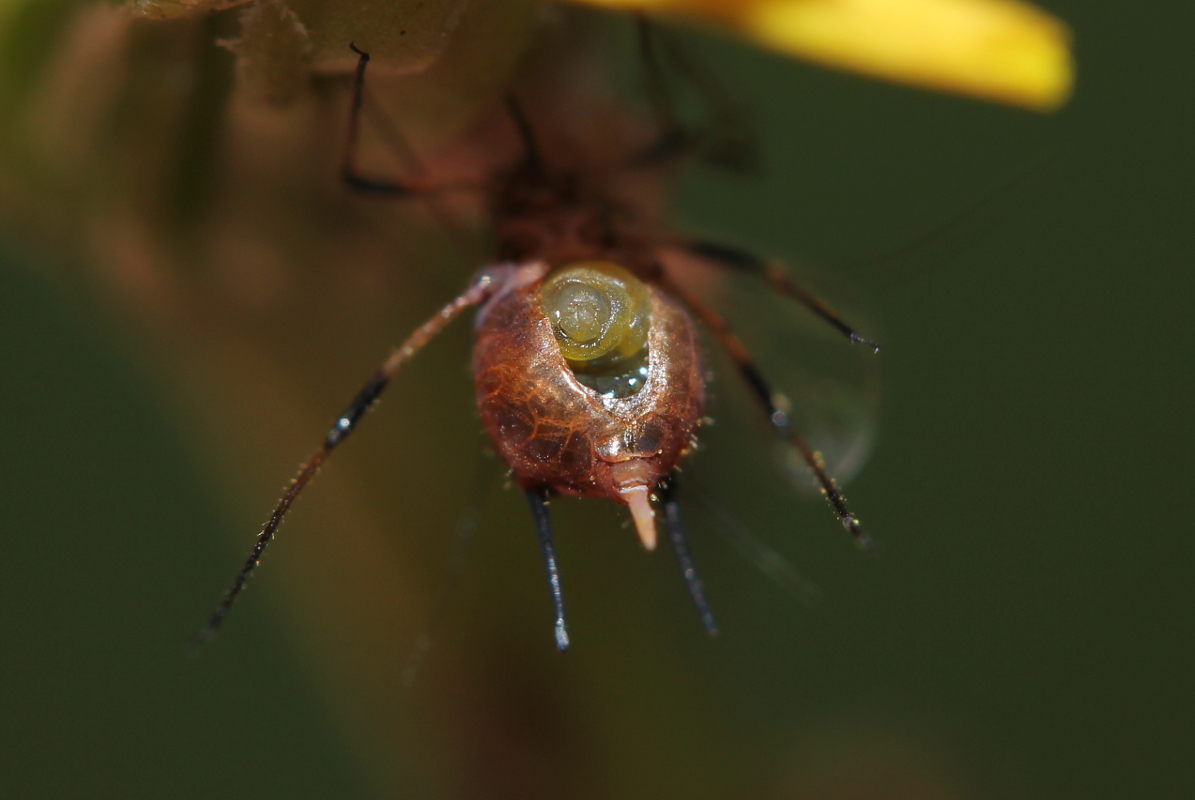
<point x="833" y="387"/>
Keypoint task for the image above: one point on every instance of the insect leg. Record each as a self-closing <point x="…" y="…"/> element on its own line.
<point x="775" y="405"/>
<point x="725" y="139"/>
<point x="776" y="276"/>
<point x="673" y="138"/>
<point x="538" y="500"/>
<point x="344" y="426"/>
<point x="348" y="164"/>
<point x="533" y="159"/>
<point x="680" y="543"/>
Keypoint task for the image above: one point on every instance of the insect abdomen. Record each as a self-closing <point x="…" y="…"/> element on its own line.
<point x="558" y="434"/>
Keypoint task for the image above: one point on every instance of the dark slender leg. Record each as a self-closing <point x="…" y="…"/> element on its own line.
<point x="723" y="139"/>
<point x="533" y="160"/>
<point x="680" y="543"/>
<point x="774" y="405"/>
<point x="417" y="183"/>
<point x="731" y="141"/>
<point x="538" y="500"/>
<point x="673" y="139"/>
<point x="344" y="426"/>
<point x="348" y="166"/>
<point x="778" y="278"/>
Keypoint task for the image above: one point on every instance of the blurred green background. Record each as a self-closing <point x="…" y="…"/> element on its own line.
<point x="1022" y="633"/>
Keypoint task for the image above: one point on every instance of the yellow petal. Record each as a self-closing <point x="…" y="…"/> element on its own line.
<point x="1003" y="50"/>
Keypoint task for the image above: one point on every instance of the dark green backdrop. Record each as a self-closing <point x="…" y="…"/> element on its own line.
<point x="1024" y="631"/>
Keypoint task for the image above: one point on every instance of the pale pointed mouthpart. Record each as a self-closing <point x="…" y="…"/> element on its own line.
<point x="638" y="499"/>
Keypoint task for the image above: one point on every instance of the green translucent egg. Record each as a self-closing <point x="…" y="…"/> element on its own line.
<point x="600" y="314"/>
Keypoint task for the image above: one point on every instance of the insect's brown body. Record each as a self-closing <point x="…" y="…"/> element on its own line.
<point x="589" y="375"/>
<point x="558" y="434"/>
<point x="554" y="432"/>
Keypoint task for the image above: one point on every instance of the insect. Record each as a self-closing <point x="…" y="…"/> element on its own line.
<point x="588" y="369"/>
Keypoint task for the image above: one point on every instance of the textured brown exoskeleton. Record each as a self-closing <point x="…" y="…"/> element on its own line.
<point x="559" y="435"/>
<point x="588" y="370"/>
